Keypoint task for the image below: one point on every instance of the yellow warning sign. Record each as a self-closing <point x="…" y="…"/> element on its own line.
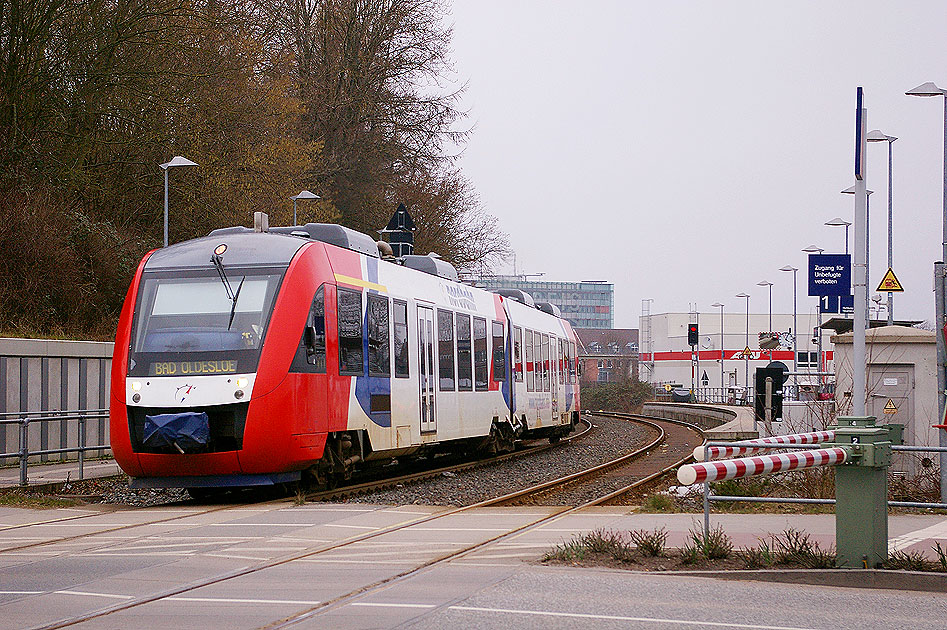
<point x="890" y="283"/>
<point x="668" y="387"/>
<point x="890" y="407"/>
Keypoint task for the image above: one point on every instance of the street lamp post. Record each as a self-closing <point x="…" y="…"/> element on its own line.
<point x="722" y="341"/>
<point x="795" y="329"/>
<point x="929" y="89"/>
<point x="767" y="283"/>
<point x="305" y="194"/>
<point x="177" y="160"/>
<point x="838" y="221"/>
<point x="746" y="358"/>
<point x="878" y="136"/>
<point x="851" y="191"/>
<point x="814" y="249"/>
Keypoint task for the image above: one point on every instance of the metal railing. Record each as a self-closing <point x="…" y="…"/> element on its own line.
<point x="25" y="418"/>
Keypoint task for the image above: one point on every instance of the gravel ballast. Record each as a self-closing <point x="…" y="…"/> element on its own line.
<point x="610" y="438"/>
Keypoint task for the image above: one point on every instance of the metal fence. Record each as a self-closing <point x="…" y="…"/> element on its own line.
<point x="65" y="418"/>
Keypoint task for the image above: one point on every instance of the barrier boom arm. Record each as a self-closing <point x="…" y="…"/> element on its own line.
<point x="794" y="439"/>
<point x="760" y="465"/>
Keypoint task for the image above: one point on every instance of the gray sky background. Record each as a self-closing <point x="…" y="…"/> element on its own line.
<point x="686" y="150"/>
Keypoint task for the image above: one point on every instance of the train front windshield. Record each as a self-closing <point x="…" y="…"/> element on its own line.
<point x="193" y="325"/>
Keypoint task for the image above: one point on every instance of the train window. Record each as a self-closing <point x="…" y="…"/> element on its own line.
<point x="350" y="332"/>
<point x="573" y="367"/>
<point x="518" y="353"/>
<point x="311" y="352"/>
<point x="545" y="362"/>
<point x="480" y="354"/>
<point x="445" y="349"/>
<point x="561" y="362"/>
<point x="464" y="355"/>
<point x="499" y="353"/>
<point x="401" y="338"/>
<point x="530" y="370"/>
<point x="379" y="355"/>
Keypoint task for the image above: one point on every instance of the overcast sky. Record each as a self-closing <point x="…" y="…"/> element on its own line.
<point x="686" y="150"/>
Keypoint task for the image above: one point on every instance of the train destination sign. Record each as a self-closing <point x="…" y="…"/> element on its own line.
<point x="830" y="274"/>
<point x="190" y="368"/>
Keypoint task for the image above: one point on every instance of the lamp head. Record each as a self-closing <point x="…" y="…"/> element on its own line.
<point x="789" y="268"/>
<point x="813" y="249"/>
<point x="879" y="136"/>
<point x="306" y="195"/>
<point x="177" y="160"/>
<point x="926" y="89"/>
<point x="838" y="221"/>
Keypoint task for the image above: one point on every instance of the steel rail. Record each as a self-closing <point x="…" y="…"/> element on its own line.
<point x="341" y="600"/>
<point x="302" y="615"/>
<point x="594" y="471"/>
<point x="342" y="491"/>
<point x="390" y="482"/>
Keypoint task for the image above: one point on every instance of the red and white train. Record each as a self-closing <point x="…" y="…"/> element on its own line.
<point x="255" y="357"/>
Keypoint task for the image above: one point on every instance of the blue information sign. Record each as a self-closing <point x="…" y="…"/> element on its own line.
<point x="830" y="274"/>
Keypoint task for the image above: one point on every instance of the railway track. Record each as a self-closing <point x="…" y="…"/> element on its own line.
<point x="658" y="457"/>
<point x="336" y="493"/>
<point x="610" y="482"/>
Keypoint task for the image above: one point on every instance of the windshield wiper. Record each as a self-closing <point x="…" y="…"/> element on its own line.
<point x="233" y="309"/>
<point x="219" y="265"/>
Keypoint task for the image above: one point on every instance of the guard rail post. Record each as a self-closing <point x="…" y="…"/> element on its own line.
<point x="861" y="490"/>
<point x="24" y="449"/>
<point x="81" y="443"/>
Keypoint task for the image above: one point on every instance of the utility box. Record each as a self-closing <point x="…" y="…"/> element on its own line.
<point x="861" y="490"/>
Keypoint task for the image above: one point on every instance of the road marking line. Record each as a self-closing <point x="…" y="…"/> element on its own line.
<point x="384" y="605"/>
<point x="234" y="557"/>
<point x="86" y="594"/>
<point x="230" y="600"/>
<point x="938" y="530"/>
<point x="21" y="592"/>
<point x="623" y="618"/>
<point x="350" y="526"/>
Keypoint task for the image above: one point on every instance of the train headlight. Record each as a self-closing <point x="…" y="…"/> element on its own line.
<point x="136" y="385"/>
<point x="238" y="394"/>
<point x="243" y="382"/>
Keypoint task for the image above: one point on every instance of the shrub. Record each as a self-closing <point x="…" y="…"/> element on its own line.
<point x="690" y="554"/>
<point x="572" y="551"/>
<point x="715" y="546"/>
<point x="650" y="543"/>
<point x="758" y="557"/>
<point x="941" y="556"/>
<point x="907" y="561"/>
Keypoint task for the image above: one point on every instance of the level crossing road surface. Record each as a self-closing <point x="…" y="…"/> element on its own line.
<point x="190" y="566"/>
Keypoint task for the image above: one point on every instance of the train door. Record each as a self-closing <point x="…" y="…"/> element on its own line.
<point x="427" y="371"/>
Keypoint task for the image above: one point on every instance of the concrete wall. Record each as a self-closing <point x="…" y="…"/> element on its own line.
<point x="49" y="375"/>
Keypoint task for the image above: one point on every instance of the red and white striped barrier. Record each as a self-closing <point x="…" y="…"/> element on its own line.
<point x="760" y="465"/>
<point x="716" y="452"/>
